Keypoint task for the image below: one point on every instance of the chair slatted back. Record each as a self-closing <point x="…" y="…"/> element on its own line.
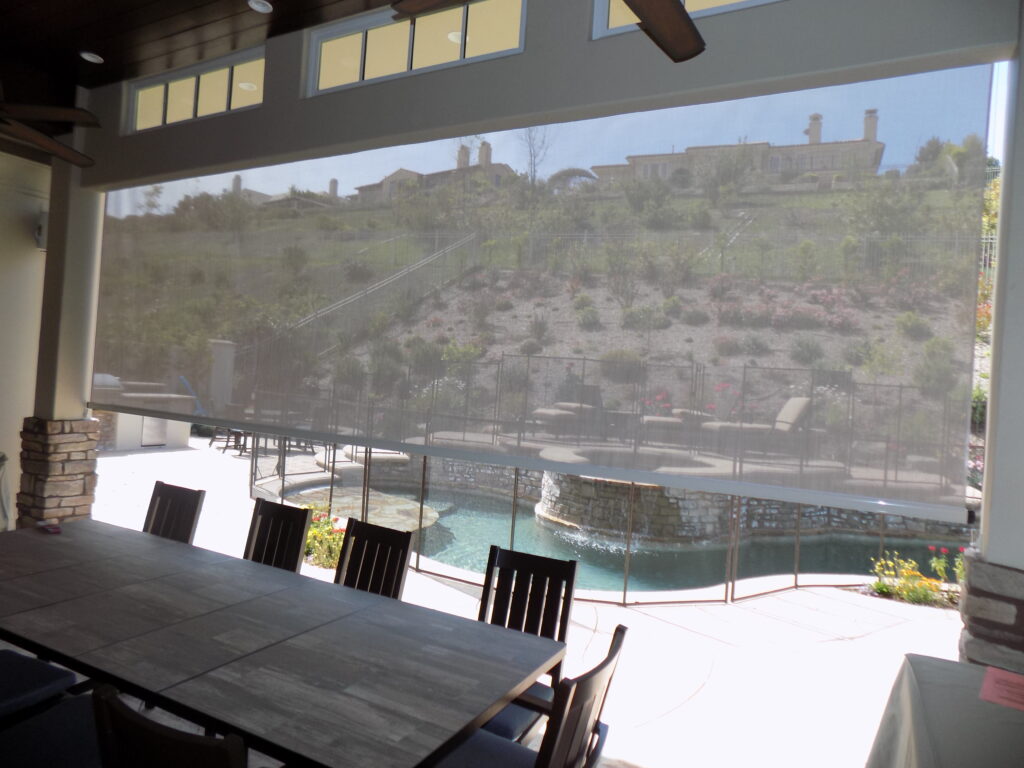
<point x="529" y="593"/>
<point x="374" y="558"/>
<point x="573" y="723"/>
<point x="277" y="535"/>
<point x="173" y="512"/>
<point x="128" y="739"/>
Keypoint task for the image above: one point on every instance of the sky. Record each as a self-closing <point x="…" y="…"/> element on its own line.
<point x="949" y="104"/>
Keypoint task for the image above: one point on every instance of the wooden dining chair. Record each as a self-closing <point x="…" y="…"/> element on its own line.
<point x="277" y="535"/>
<point x="128" y="740"/>
<point x="173" y="512"/>
<point x="574" y="736"/>
<point x="533" y="594"/>
<point x="374" y="558"/>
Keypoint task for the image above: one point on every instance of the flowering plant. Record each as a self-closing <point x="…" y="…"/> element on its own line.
<point x="899" y="577"/>
<point x="323" y="541"/>
<point x="939" y="563"/>
<point x="660" y="405"/>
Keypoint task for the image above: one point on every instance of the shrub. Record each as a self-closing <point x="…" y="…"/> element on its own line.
<point x="589" y="319"/>
<point x="979" y="408"/>
<point x="727" y="345"/>
<point x="531" y="347"/>
<point x="425" y="357"/>
<point x="913" y="326"/>
<point x="935" y="374"/>
<point x="538" y="327"/>
<point x="899" y="577"/>
<point x="857" y="353"/>
<point x="672" y="307"/>
<point x="696" y="317"/>
<point x="358" y="271"/>
<point x="503" y="305"/>
<point x="806" y="351"/>
<point x="582" y="302"/>
<point x="755" y="345"/>
<point x="323" y="541"/>
<point x="719" y="286"/>
<point x="623" y="366"/>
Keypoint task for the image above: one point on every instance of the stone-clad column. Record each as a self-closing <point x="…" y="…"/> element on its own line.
<point x="58" y="458"/>
<point x="992" y="607"/>
<point x="58" y="469"/>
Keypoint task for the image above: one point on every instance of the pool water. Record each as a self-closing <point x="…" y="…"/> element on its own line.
<point x="470" y="523"/>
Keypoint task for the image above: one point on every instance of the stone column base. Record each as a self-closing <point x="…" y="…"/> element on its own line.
<point x="58" y="469"/>
<point x="992" y="607"/>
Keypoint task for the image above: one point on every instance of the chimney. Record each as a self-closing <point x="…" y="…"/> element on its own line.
<point x="485" y="154"/>
<point x="813" y="132"/>
<point x="463" y="161"/>
<point x="870" y="125"/>
<point x="236" y="184"/>
<point x="333" y="189"/>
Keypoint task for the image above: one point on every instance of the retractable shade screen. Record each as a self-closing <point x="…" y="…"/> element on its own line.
<point x="772" y="297"/>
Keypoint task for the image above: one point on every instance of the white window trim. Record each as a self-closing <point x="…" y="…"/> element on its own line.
<point x="133" y="87"/>
<point x="600" y="23"/>
<point x="365" y="21"/>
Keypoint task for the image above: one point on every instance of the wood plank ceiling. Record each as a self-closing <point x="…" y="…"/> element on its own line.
<point x="40" y="40"/>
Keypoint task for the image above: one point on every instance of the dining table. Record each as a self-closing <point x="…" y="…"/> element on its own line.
<point x="306" y="671"/>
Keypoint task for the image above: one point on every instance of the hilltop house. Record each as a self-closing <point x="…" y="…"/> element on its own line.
<point x="773" y="164"/>
<point x="485" y="170"/>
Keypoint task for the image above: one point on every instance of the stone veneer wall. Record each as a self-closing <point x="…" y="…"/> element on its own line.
<point x="992" y="607"/>
<point x="58" y="469"/>
<point x="674" y="515"/>
<point x="464" y="475"/>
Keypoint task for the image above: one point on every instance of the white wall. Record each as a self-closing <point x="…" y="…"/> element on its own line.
<point x="24" y="192"/>
<point x="562" y="75"/>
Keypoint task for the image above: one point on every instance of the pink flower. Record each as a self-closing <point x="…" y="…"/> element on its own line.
<point x="944" y="551"/>
<point x="931" y="547"/>
<point x="963" y="549"/>
<point x="710" y="407"/>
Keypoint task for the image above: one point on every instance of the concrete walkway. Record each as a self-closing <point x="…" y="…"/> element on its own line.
<point x="797" y="679"/>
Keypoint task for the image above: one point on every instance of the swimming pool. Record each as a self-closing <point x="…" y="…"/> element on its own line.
<point x="469" y="523"/>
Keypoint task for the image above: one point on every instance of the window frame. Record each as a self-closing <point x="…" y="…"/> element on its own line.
<point x="229" y="62"/>
<point x="600" y="27"/>
<point x="362" y="23"/>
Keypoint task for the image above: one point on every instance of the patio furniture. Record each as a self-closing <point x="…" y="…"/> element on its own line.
<point x="736" y="437"/>
<point x="277" y="535"/>
<point x="128" y="740"/>
<point x="26" y="683"/>
<point x="374" y="558"/>
<point x="173" y="512"/>
<point x="935" y="719"/>
<point x="574" y="736"/>
<point x="63" y="735"/>
<point x="306" y="672"/>
<point x="533" y="594"/>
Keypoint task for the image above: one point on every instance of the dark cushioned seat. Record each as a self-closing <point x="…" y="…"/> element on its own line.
<point x="26" y="681"/>
<point x="63" y="736"/>
<point x="485" y="750"/>
<point x="514" y="721"/>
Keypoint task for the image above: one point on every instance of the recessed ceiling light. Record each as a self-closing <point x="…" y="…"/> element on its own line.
<point x="261" y="6"/>
<point x="247" y="86"/>
<point x="92" y="58"/>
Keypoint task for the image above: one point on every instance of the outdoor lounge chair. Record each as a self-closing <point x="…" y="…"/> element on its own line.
<point x="735" y="437"/>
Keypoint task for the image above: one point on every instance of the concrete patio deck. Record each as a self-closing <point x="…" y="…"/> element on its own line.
<point x="798" y="678"/>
